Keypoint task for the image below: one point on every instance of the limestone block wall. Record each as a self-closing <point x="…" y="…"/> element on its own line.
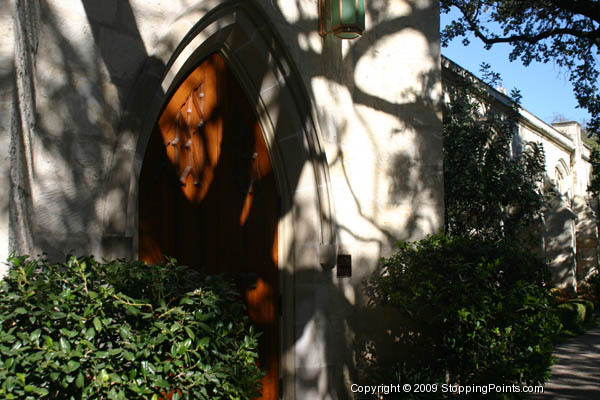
<point x="357" y="123"/>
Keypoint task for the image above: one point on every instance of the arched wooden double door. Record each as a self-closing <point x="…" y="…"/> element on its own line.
<point x="208" y="196"/>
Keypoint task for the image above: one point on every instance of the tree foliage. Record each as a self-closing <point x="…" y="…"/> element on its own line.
<point x="492" y="186"/>
<point x="566" y="32"/>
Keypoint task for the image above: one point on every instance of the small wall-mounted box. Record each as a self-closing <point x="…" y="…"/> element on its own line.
<point x="344" y="265"/>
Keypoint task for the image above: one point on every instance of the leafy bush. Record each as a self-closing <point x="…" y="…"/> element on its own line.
<point x="472" y="312"/>
<point x="589" y="308"/>
<point x="572" y="316"/>
<point x="122" y="330"/>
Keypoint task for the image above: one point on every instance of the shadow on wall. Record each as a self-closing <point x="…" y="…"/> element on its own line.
<point x="559" y="239"/>
<point x="586" y="237"/>
<point x="419" y="181"/>
<point x="88" y="78"/>
<point x="71" y="120"/>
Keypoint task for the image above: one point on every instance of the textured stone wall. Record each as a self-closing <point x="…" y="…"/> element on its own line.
<point x="377" y="105"/>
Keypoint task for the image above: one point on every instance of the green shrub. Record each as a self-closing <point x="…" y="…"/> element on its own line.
<point x="589" y="308"/>
<point x="572" y="316"/>
<point x="473" y="312"/>
<point x="122" y="330"/>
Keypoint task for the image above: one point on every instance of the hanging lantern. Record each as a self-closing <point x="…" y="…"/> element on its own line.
<point x="344" y="18"/>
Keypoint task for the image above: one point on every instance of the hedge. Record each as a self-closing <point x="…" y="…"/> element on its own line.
<point x="120" y="330"/>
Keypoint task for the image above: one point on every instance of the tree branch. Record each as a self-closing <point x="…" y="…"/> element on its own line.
<point x="534" y="38"/>
<point x="590" y="35"/>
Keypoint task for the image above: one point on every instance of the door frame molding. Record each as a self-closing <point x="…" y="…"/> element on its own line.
<point x="242" y="33"/>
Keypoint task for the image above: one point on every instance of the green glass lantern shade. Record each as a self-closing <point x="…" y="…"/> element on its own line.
<point x="347" y="18"/>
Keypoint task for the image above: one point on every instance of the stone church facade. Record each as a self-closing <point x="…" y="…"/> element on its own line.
<point x="351" y="132"/>
<point x="348" y="132"/>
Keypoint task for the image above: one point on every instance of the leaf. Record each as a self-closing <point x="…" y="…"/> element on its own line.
<point x="116" y="351"/>
<point x="41" y="391"/>
<point x="205" y="327"/>
<point x="80" y="380"/>
<point x="90" y="334"/>
<point x="68" y="333"/>
<point x="65" y="345"/>
<point x="186" y="300"/>
<point x="124" y="332"/>
<point x="103" y="376"/>
<point x="203" y="342"/>
<point x="35" y="335"/>
<point x="71" y="366"/>
<point x="132" y="309"/>
<point x="97" y="324"/>
<point x="190" y="332"/>
<point x="175" y="327"/>
<point x="57" y="315"/>
<point x="161" y="383"/>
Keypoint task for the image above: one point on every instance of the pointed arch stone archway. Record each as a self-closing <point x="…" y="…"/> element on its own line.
<point x="241" y="33"/>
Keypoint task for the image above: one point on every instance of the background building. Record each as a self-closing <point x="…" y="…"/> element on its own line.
<point x="569" y="231"/>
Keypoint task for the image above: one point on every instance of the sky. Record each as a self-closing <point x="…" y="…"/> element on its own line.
<point x="547" y="92"/>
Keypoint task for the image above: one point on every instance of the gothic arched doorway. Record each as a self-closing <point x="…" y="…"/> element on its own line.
<point x="207" y="196"/>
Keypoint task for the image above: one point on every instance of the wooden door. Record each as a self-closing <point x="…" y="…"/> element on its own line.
<point x="208" y="197"/>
